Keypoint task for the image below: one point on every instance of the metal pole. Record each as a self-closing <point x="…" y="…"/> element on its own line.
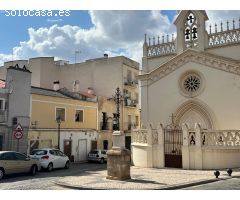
<point x="17" y="144"/>
<point x="58" y="135"/>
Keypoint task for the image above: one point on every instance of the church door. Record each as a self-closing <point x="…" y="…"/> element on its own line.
<point x="173" y="146"/>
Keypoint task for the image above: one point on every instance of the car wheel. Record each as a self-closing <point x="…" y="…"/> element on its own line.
<point x="33" y="170"/>
<point x="102" y="160"/>
<point x="1" y="174"/>
<point x="50" y="167"/>
<point x="67" y="165"/>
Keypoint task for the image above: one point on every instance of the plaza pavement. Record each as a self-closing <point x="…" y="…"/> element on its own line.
<point x="144" y="179"/>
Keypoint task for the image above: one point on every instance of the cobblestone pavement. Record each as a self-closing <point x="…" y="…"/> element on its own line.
<point x="142" y="178"/>
<point x="45" y="180"/>
<point x="228" y="184"/>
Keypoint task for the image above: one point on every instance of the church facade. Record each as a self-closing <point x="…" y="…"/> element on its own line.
<point x="190" y="97"/>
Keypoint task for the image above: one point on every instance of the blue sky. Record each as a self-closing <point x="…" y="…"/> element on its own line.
<point x="92" y="32"/>
<point x="16" y="27"/>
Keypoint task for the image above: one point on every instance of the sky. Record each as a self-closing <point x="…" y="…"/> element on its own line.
<point x="91" y="33"/>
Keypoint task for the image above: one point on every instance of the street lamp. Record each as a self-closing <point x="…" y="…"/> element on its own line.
<point x="117" y="99"/>
<point x="58" y="119"/>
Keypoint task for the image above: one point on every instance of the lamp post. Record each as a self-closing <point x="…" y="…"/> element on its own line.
<point x="59" y="126"/>
<point x="117" y="99"/>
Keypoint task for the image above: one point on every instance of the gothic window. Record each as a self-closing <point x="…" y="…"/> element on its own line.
<point x="191" y="34"/>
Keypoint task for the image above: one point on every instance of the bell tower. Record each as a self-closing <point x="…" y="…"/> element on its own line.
<point x="191" y="31"/>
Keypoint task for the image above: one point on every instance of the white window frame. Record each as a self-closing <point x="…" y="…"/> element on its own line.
<point x="75" y="115"/>
<point x="57" y="107"/>
<point x="3" y="104"/>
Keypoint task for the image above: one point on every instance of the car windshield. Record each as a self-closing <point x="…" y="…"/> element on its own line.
<point x="39" y="152"/>
<point x="94" y="152"/>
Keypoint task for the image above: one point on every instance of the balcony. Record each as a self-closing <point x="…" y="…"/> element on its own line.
<point x="130" y="102"/>
<point x="129" y="126"/>
<point x="131" y="83"/>
<point x="105" y="126"/>
<point x="3" y="116"/>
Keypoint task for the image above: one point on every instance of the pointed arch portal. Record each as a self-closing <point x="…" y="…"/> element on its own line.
<point x="192" y="112"/>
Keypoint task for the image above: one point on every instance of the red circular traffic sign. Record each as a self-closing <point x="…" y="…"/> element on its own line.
<point x="18" y="134"/>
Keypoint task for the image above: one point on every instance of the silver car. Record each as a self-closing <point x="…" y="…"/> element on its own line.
<point x="12" y="162"/>
<point x="97" y="155"/>
<point x="50" y="158"/>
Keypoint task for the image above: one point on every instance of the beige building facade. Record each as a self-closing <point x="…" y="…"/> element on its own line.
<point x="100" y="77"/>
<point x="190" y="95"/>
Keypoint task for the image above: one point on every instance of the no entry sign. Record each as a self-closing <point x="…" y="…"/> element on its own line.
<point x="18" y="132"/>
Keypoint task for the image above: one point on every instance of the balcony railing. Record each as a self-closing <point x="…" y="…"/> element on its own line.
<point x="129" y="126"/>
<point x="3" y="116"/>
<point x="130" y="102"/>
<point x="131" y="83"/>
<point x="105" y="126"/>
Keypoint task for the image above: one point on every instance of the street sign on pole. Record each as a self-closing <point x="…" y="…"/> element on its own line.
<point x="18" y="134"/>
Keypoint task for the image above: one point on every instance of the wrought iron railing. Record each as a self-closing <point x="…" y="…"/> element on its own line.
<point x="132" y="83"/>
<point x="3" y="116"/>
<point x="129" y="126"/>
<point x="106" y="126"/>
<point x="130" y="102"/>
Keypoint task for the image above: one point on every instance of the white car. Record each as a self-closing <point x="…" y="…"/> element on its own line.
<point x="50" y="158"/>
<point x="97" y="155"/>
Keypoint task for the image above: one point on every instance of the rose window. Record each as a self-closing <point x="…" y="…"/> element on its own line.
<point x="192" y="83"/>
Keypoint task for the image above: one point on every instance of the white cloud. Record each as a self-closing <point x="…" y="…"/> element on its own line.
<point x="113" y="32"/>
<point x="223" y="16"/>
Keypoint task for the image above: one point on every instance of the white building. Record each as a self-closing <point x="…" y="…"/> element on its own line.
<point x="191" y="86"/>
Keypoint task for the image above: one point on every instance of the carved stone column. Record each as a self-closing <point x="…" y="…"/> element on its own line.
<point x="185" y="147"/>
<point x="161" y="161"/>
<point x="198" y="148"/>
<point x="118" y="163"/>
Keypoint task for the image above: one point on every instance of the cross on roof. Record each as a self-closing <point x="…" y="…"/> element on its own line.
<point x="172" y="118"/>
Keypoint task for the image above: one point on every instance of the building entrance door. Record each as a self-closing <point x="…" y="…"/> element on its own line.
<point x="173" y="146"/>
<point x="68" y="148"/>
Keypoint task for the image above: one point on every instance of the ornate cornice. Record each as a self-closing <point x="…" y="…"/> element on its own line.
<point x="190" y="55"/>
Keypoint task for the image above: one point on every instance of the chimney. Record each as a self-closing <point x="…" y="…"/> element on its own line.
<point x="90" y="90"/>
<point x="76" y="86"/>
<point x="56" y="85"/>
<point x="105" y="55"/>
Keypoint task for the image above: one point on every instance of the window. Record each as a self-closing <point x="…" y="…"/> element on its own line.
<point x="129" y="76"/>
<point x="79" y="116"/>
<point x="191" y="34"/>
<point x="191" y="84"/>
<point x="105" y="145"/>
<point x="137" y="120"/>
<point x="8" y="156"/>
<point x="60" y="112"/>
<point x="20" y="156"/>
<point x="2" y="102"/>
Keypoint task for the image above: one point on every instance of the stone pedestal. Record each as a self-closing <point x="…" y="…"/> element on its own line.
<point x="118" y="163"/>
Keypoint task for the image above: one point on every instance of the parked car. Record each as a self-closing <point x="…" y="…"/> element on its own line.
<point x="50" y="159"/>
<point x="97" y="155"/>
<point x="12" y="162"/>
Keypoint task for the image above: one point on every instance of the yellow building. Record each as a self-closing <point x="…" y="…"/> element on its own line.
<point x="78" y="124"/>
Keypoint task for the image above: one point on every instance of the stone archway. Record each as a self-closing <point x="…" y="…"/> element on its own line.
<point x="192" y="112"/>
